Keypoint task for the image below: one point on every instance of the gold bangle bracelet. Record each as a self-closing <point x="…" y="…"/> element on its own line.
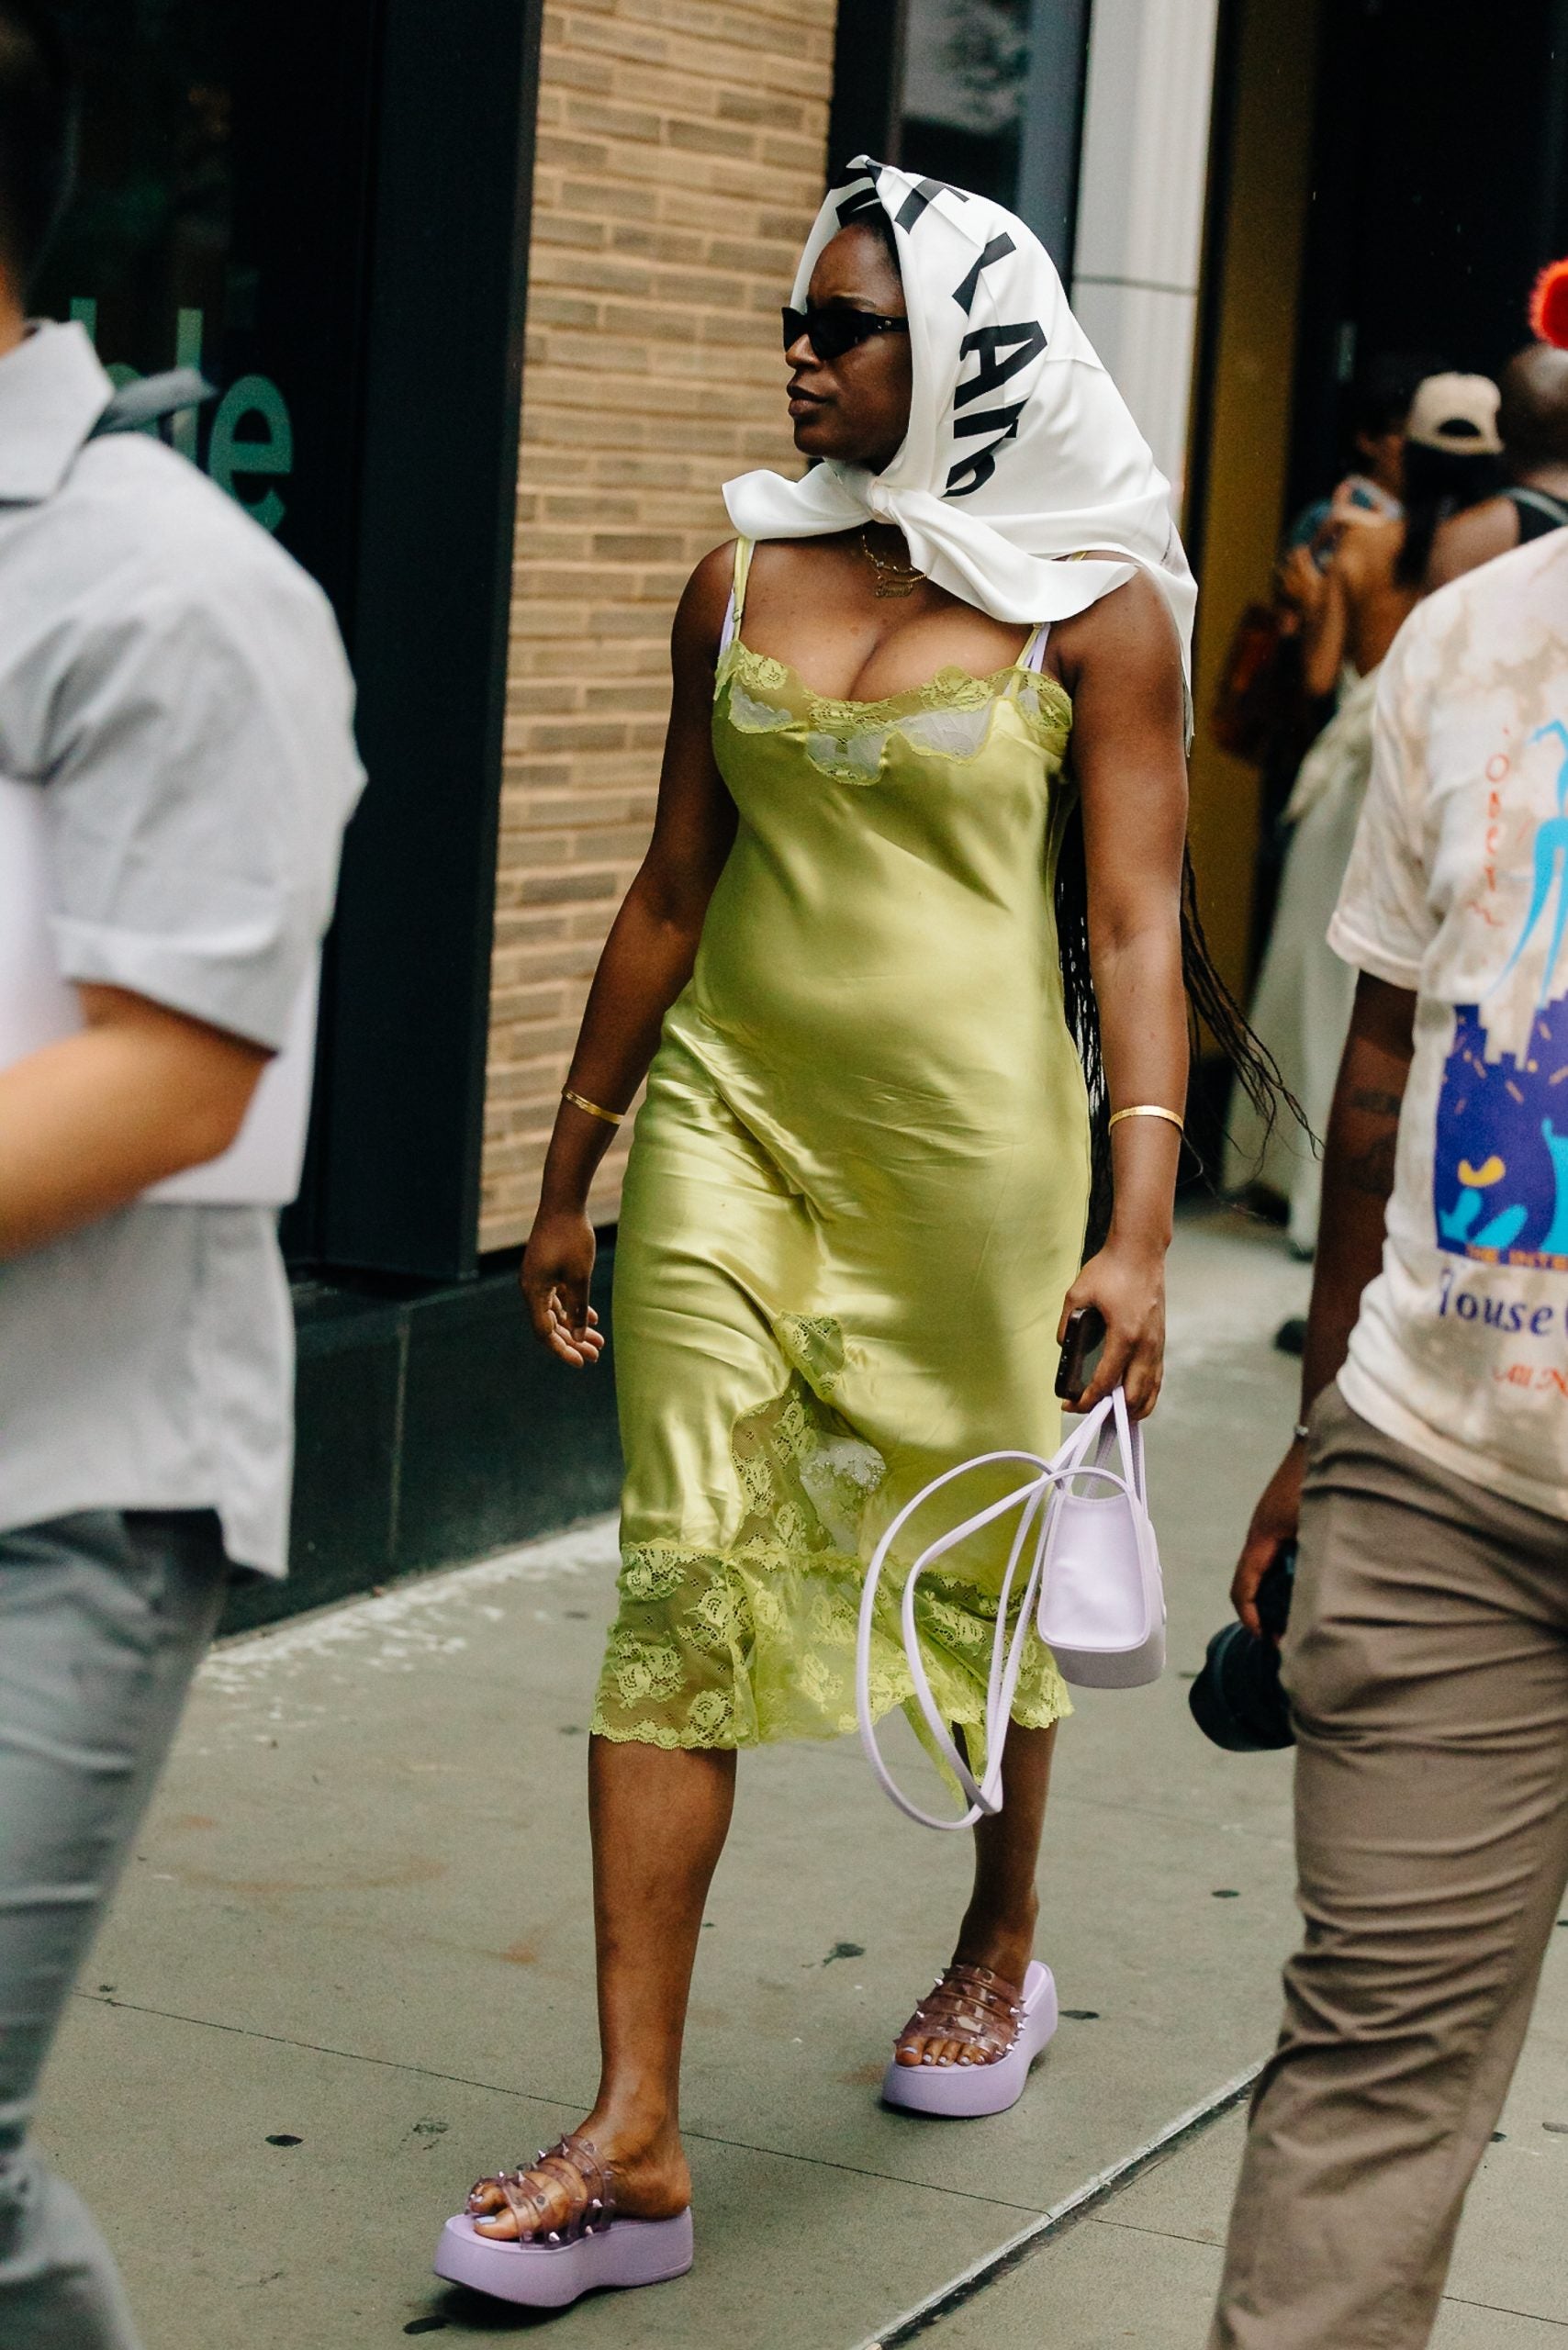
<point x="1149" y="1110"/>
<point x="611" y="1118"/>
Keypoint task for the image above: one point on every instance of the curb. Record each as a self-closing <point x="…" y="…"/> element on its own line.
<point x="1019" y="2249"/>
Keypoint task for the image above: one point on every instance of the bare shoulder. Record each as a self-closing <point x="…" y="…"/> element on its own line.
<point x="789" y="566"/>
<point x="1131" y="629"/>
<point x="1471" y="538"/>
<point x="1366" y="554"/>
<point x="700" y="615"/>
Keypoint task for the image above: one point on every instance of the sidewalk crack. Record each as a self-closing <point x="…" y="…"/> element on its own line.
<point x="539" y="2097"/>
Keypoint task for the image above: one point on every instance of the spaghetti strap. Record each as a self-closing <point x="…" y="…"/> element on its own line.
<point x="743" y="550"/>
<point x="736" y="604"/>
<point x="1032" y="657"/>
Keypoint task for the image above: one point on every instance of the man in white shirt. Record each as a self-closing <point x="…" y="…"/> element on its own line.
<point x="173" y="690"/>
<point x="1426" y="1660"/>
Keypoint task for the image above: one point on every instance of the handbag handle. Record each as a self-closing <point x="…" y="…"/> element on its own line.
<point x="1104" y="1428"/>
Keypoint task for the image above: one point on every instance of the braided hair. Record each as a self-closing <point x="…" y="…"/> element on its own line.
<point x="1211" y="1007"/>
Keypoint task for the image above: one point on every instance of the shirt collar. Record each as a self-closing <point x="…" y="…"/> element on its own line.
<point x="52" y="392"/>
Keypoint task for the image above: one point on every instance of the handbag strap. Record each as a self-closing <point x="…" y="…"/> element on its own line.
<point x="1104" y="1430"/>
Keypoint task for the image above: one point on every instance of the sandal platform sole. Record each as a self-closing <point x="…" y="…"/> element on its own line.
<point x="549" y="2276"/>
<point x="965" y="2092"/>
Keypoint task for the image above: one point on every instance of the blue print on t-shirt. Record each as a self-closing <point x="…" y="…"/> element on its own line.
<point x="1500" y="1173"/>
<point x="1550" y="866"/>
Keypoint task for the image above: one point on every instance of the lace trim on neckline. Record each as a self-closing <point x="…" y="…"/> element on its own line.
<point x="950" y="689"/>
<point x="951" y="717"/>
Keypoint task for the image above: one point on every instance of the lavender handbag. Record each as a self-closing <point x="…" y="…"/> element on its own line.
<point x="1093" y="1585"/>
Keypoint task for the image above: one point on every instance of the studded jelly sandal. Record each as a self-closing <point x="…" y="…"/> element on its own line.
<point x="557" y="2258"/>
<point x="1004" y="2027"/>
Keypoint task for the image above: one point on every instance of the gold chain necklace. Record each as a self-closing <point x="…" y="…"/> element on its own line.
<point x="893" y="578"/>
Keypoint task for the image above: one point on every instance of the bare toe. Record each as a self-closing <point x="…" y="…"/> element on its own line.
<point x="501" y="2225"/>
<point x="979" y="2009"/>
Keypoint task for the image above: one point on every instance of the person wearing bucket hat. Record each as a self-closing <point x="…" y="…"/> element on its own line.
<point x="1426" y="1656"/>
<point x="854" y="1213"/>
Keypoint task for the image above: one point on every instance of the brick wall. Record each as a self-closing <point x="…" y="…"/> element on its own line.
<point x="679" y="165"/>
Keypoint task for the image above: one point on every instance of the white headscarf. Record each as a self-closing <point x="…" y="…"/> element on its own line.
<point x="1020" y="448"/>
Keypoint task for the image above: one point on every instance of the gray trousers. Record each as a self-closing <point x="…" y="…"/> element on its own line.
<point x="1426" y="1663"/>
<point x="103" y="1618"/>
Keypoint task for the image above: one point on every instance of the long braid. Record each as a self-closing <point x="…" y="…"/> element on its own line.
<point x="1210" y="1004"/>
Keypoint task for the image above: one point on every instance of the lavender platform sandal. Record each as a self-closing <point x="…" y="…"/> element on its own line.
<point x="549" y="2266"/>
<point x="1007" y="2029"/>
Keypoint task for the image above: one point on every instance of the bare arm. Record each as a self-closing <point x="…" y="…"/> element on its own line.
<point x="1122" y="664"/>
<point x="1358" y="1178"/>
<point x="88" y="1125"/>
<point x="1326" y="631"/>
<point x="647" y="961"/>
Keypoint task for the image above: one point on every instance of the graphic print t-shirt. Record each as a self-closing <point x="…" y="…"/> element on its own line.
<point x="1458" y="888"/>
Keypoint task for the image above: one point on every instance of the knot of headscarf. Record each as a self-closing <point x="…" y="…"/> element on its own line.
<point x="1020" y="452"/>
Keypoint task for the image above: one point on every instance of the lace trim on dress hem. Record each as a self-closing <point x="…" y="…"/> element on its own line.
<point x="755" y="1640"/>
<point x="690" y="1740"/>
<point x="756" y="1644"/>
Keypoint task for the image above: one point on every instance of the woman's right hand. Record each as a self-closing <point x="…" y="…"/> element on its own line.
<point x="557" y="1266"/>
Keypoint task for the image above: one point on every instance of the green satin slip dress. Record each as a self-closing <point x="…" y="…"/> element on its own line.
<point x="854" y="1202"/>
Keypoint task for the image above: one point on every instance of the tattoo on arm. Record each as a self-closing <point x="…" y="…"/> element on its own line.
<point x="1369" y="1169"/>
<point x="1372" y="1170"/>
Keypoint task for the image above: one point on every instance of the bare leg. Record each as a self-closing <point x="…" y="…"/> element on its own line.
<point x="659" y="1821"/>
<point x="998" y="1930"/>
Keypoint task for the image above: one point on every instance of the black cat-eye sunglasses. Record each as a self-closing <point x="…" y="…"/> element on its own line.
<point x="833" y="332"/>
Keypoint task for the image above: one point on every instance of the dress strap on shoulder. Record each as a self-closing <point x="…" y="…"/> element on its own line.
<point x="736" y="604"/>
<point x="743" y="549"/>
<point x="1032" y="657"/>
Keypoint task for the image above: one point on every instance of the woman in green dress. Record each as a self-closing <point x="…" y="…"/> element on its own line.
<point x="855" y="1214"/>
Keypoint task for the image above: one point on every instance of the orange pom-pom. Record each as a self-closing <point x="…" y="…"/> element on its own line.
<point x="1549" y="305"/>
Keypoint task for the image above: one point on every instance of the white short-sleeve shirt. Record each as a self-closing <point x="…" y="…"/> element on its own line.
<point x="176" y="685"/>
<point x="1458" y="889"/>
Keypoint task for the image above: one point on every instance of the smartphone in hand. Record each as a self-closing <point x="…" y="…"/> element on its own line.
<point x="1081" y="1352"/>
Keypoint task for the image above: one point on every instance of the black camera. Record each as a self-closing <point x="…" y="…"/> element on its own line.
<point x="1237" y="1700"/>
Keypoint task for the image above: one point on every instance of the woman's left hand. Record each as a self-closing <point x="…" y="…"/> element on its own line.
<point x="1127" y="1284"/>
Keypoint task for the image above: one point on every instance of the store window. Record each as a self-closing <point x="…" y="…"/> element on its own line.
<point x="216" y="226"/>
<point x="985" y="94"/>
<point x="965" y="76"/>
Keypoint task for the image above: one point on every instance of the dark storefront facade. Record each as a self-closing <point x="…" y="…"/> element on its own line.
<point x="326" y="210"/>
<point x="1387" y="175"/>
<point x="1441" y="187"/>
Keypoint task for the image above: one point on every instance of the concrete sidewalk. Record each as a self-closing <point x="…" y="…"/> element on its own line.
<point x="1140" y="2272"/>
<point x="351" y="1969"/>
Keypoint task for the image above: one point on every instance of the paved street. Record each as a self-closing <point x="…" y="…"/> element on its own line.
<point x="352" y="1970"/>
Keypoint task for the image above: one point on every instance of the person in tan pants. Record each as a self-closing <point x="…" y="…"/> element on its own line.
<point x="1426" y="1658"/>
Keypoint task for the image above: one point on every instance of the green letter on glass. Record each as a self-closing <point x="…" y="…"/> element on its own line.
<point x="273" y="452"/>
